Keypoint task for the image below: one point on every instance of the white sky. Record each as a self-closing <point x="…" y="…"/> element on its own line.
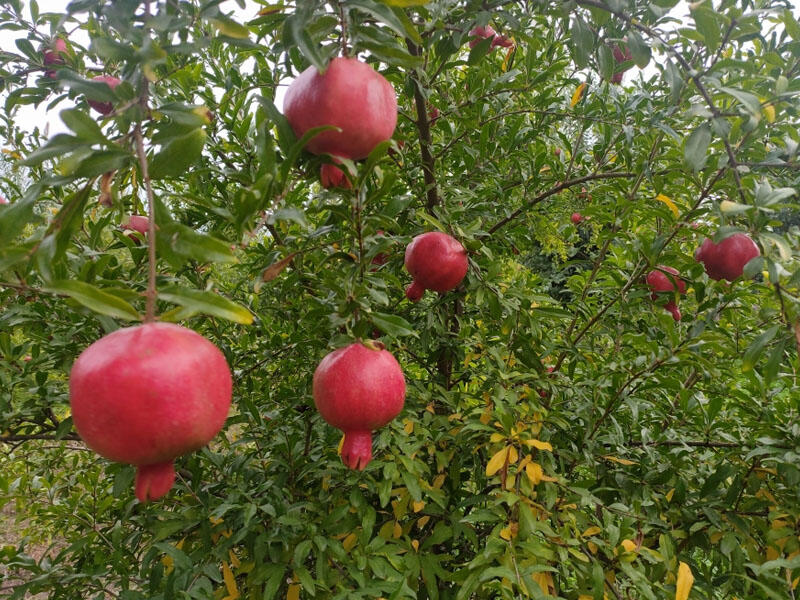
<point x="29" y="117"/>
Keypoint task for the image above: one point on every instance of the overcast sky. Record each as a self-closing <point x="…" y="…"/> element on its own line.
<point x="30" y="117"/>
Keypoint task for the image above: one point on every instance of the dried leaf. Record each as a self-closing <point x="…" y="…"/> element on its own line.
<point x="539" y="445"/>
<point x="621" y="461"/>
<point x="275" y="269"/>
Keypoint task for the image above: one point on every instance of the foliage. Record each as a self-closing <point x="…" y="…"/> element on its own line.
<point x="652" y="448"/>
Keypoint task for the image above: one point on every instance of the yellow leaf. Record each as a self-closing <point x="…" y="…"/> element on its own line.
<point x="670" y="494"/>
<point x="505" y="533"/>
<point x="415" y="545"/>
<point x="534" y="472"/>
<point x="497" y="437"/>
<point x="349" y="542"/>
<point x="545" y="581"/>
<point x="234" y="559"/>
<point x="408" y="426"/>
<point x="339" y="447"/>
<point x="397" y="531"/>
<point x="504" y="67"/>
<point x="230" y="582"/>
<point x="294" y="592"/>
<point x="539" y="445"/>
<point x="497" y="461"/>
<point x="423" y="521"/>
<point x="670" y="204"/>
<point x="622" y="461"/>
<point x="629" y="545"/>
<point x="591" y="531"/>
<point x="769" y="112"/>
<point x="592" y="547"/>
<point x="685" y="582"/>
<point x="438" y="481"/>
<point x="576" y="97"/>
<point x="513" y="455"/>
<point x="418" y="506"/>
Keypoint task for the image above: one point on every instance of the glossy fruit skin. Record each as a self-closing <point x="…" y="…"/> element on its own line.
<point x="104" y="108"/>
<point x="359" y="388"/>
<point x="350" y="95"/>
<point x="576" y="218"/>
<point x="436" y="261"/>
<point x="147" y="394"/>
<point x="659" y="282"/>
<point x="727" y="259"/>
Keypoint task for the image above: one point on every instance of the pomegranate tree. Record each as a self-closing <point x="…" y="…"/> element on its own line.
<point x="666" y="280"/>
<point x="727" y="259"/>
<point x="147" y="394"/>
<point x="104" y="108"/>
<point x="359" y="388"/>
<point x="350" y="95"/>
<point x="436" y="261"/>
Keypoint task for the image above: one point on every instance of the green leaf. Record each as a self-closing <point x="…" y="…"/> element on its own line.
<point x="756" y="348"/>
<point x="185" y="241"/>
<point x="639" y="49"/>
<point x="85" y="127"/>
<point x="209" y="303"/>
<point x="386" y="15"/>
<point x="57" y="146"/>
<point x="94" y="299"/>
<point x="582" y="39"/>
<point x="406" y="3"/>
<point x="695" y="151"/>
<point x="229" y="27"/>
<point x="294" y="28"/>
<point x="178" y="155"/>
<point x="393" y="325"/>
<point x="709" y="26"/>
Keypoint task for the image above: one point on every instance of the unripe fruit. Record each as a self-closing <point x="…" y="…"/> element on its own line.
<point x="727" y="259"/>
<point x="359" y="388"/>
<point x="350" y="95"/>
<point x="147" y="394"/>
<point x="659" y="282"/>
<point x="104" y="108"/>
<point x="436" y="261"/>
<point x="576" y="218"/>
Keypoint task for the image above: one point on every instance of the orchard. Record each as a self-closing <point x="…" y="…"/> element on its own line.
<point x="395" y="299"/>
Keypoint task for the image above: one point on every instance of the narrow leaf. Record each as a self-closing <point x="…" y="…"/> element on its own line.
<point x="208" y="303"/>
<point x="685" y="582"/>
<point x="94" y="299"/>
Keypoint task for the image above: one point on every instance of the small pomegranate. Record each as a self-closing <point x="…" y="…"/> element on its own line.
<point x="480" y="33"/>
<point x="54" y="55"/>
<point x="350" y="95"/>
<point x="147" y="394"/>
<point x="359" y="388"/>
<point x="576" y="218"/>
<point x="659" y="283"/>
<point x="104" y="108"/>
<point x="727" y="259"/>
<point x="436" y="261"/>
<point x="332" y="176"/>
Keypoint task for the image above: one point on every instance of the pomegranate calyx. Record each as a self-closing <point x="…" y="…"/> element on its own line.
<point x="154" y="481"/>
<point x="415" y="291"/>
<point x="357" y="449"/>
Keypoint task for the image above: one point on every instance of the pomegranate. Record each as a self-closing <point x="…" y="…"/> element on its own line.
<point x="576" y="218"/>
<point x="620" y="56"/>
<point x="332" y="176"/>
<point x="350" y="95"/>
<point x="660" y="282"/>
<point x="480" y="33"/>
<point x="3" y="200"/>
<point x="436" y="261"/>
<point x="359" y="388"/>
<point x="727" y="259"/>
<point x="137" y="223"/>
<point x="147" y="394"/>
<point x="54" y="55"/>
<point x="104" y="108"/>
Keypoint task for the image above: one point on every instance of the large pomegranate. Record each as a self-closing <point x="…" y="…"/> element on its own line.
<point x="104" y="108"/>
<point x="436" y="261"/>
<point x="727" y="259"/>
<point x="147" y="394"/>
<point x="350" y="95"/>
<point x="659" y="283"/>
<point x="359" y="388"/>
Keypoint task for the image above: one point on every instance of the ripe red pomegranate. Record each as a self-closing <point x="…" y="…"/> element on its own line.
<point x="576" y="218"/>
<point x="359" y="388"/>
<point x="332" y="176"/>
<point x="350" y="95"/>
<point x="659" y="282"/>
<point x="147" y="394"/>
<point x="621" y="56"/>
<point x="480" y="33"/>
<point x="105" y="108"/>
<point x="436" y="261"/>
<point x="727" y="259"/>
<point x="54" y="55"/>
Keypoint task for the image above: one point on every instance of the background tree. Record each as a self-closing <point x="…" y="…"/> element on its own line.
<point x="562" y="436"/>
